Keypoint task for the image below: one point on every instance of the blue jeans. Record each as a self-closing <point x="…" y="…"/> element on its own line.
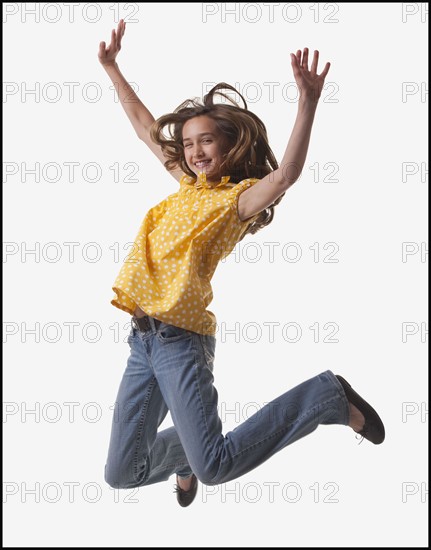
<point x="170" y="368"/>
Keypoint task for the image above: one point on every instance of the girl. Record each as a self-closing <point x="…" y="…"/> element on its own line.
<point x="229" y="183"/>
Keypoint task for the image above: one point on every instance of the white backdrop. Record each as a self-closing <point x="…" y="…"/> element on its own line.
<point x="340" y="274"/>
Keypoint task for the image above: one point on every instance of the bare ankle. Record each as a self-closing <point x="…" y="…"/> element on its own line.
<point x="357" y="419"/>
<point x="184" y="483"/>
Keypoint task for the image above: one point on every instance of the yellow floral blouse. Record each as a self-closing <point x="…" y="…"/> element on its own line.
<point x="176" y="251"/>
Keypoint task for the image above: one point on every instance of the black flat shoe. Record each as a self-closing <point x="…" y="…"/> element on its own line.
<point x="185" y="498"/>
<point x="373" y="429"/>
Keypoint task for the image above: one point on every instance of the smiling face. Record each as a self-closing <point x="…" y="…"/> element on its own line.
<point x="203" y="147"/>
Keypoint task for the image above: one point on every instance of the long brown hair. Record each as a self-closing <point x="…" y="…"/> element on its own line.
<point x="248" y="152"/>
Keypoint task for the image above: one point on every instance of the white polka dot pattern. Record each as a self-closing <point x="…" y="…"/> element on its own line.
<point x="179" y="244"/>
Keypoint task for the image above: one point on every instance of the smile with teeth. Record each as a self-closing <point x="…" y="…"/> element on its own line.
<point x="202" y="163"/>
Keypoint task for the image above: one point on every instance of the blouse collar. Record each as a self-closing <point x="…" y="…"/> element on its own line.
<point x="201" y="181"/>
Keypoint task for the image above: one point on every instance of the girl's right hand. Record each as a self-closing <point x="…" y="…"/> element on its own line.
<point x="108" y="54"/>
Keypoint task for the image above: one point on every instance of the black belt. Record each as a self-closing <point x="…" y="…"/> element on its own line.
<point x="143" y="323"/>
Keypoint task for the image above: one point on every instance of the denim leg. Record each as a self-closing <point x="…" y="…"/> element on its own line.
<point x="183" y="365"/>
<point x="137" y="454"/>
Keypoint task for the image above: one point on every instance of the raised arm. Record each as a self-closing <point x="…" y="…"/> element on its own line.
<point x="268" y="189"/>
<point x="138" y="114"/>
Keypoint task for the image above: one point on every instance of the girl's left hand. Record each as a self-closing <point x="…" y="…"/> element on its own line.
<point x="310" y="84"/>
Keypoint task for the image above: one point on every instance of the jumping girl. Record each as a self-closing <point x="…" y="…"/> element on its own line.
<point x="229" y="185"/>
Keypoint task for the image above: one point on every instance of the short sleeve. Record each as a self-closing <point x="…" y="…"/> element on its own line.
<point x="234" y="197"/>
